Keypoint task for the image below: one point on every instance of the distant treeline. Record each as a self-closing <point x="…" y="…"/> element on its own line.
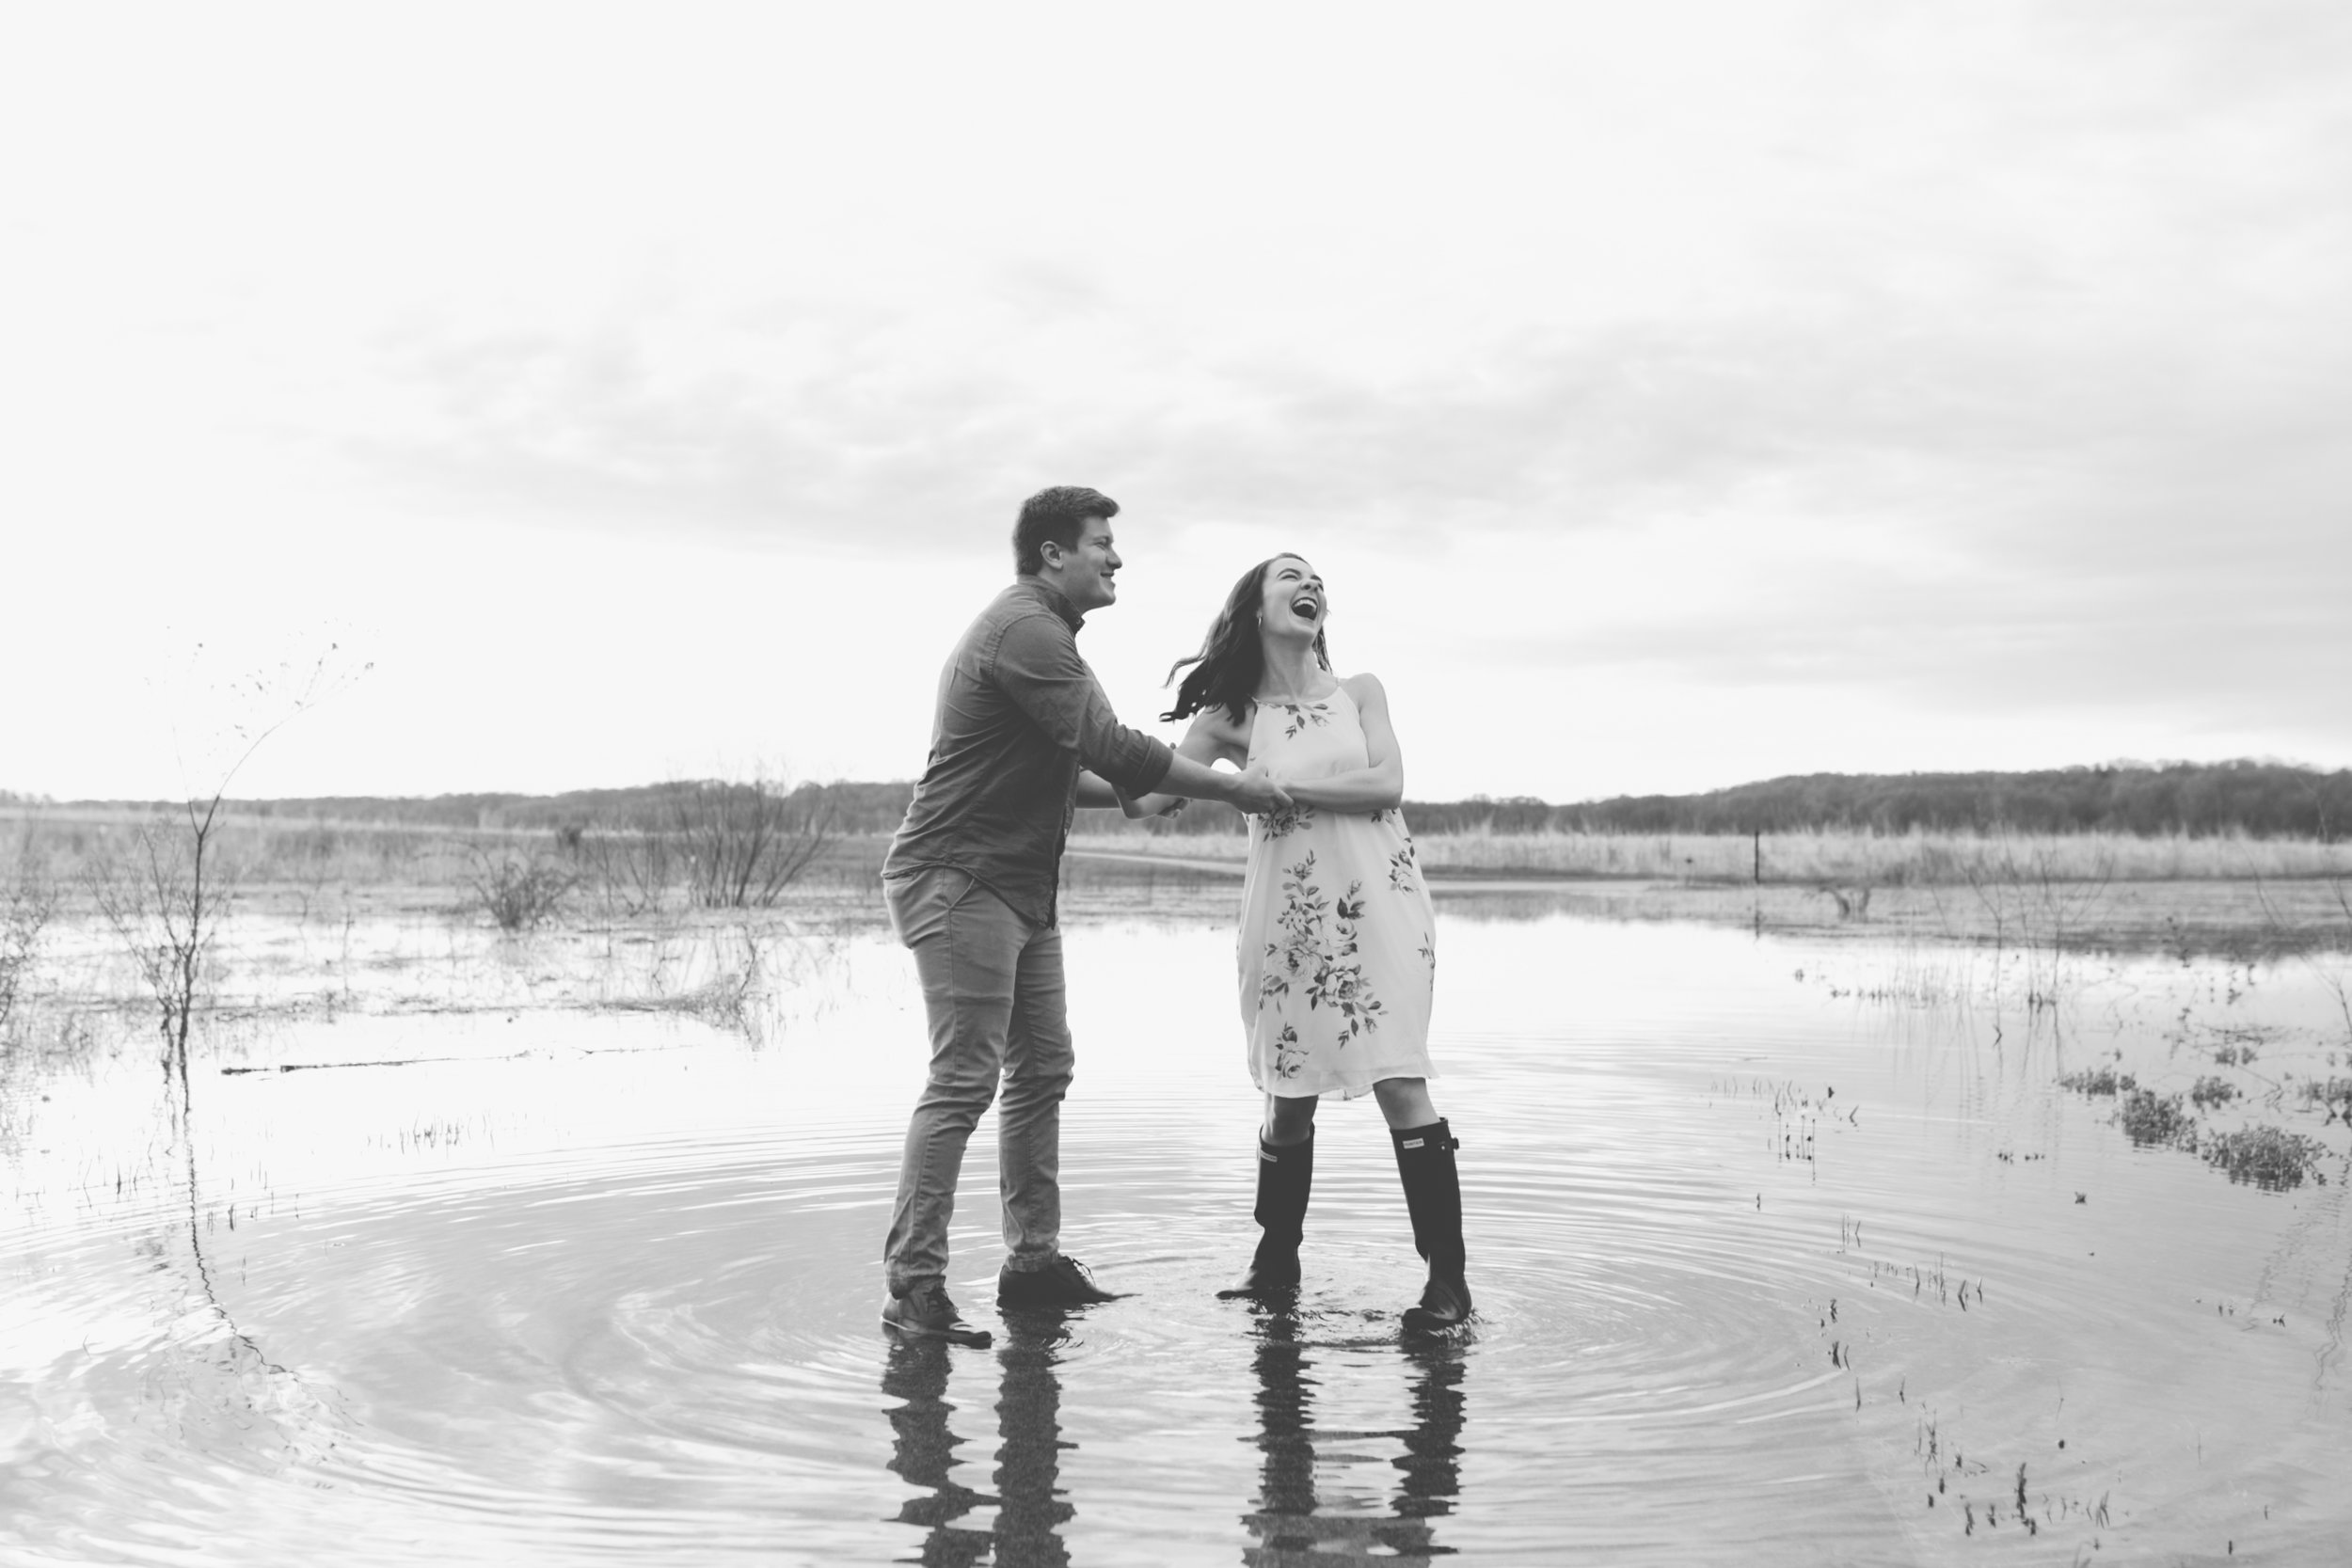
<point x="2264" y="799"/>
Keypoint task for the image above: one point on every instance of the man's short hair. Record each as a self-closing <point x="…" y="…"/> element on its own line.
<point x="1058" y="512"/>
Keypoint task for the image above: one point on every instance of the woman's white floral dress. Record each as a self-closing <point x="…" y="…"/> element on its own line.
<point x="1338" y="945"/>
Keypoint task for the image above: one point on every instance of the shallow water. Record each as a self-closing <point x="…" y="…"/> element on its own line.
<point x="1785" y="1252"/>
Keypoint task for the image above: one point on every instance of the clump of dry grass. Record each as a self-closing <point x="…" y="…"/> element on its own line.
<point x="2098" y="1080"/>
<point x="2269" y="1157"/>
<point x="2148" y="1118"/>
<point x="2334" y="1095"/>
<point x="2210" y="1091"/>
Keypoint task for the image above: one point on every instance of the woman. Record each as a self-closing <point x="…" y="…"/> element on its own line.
<point x="1338" y="946"/>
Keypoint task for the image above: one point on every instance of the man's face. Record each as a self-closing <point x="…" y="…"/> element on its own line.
<point x="1086" y="568"/>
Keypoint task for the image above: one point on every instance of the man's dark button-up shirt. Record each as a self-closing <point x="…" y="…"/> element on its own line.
<point x="1018" y="713"/>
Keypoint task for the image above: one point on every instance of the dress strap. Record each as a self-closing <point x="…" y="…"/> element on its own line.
<point x="1256" y="717"/>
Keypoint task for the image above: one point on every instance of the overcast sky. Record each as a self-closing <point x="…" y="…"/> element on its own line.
<point x="1671" y="395"/>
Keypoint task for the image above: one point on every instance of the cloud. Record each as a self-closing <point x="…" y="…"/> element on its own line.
<point x="2106" y="451"/>
<point x="1984" y="363"/>
<point x="2018" y="490"/>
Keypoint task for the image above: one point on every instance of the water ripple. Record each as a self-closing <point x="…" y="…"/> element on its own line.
<point x="1758" y="1279"/>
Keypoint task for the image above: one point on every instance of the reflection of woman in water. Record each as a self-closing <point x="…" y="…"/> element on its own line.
<point x="1290" y="1517"/>
<point x="1338" y="945"/>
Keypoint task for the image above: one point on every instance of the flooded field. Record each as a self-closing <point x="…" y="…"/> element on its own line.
<point x="456" y="1248"/>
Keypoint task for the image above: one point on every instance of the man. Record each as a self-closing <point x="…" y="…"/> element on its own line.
<point x="1022" y="735"/>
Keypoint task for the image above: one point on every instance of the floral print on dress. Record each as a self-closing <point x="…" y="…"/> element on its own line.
<point x="1303" y="717"/>
<point x="1317" y="949"/>
<point x="1335" y="952"/>
<point x="1290" y="819"/>
<point x="1294" y="950"/>
<point x="1288" y="1057"/>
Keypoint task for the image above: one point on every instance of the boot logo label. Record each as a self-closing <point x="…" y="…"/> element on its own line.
<point x="1414" y="1143"/>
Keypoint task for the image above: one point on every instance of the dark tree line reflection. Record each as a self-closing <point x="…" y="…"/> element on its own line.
<point x="1286" y="1519"/>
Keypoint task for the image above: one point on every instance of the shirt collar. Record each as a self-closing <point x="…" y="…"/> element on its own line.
<point x="1052" y="598"/>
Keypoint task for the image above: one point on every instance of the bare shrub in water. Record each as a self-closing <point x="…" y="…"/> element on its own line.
<point x="629" y="869"/>
<point x="1853" y="903"/>
<point x="517" y="890"/>
<point x="2331" y="969"/>
<point x="730" y="845"/>
<point x="2269" y="1157"/>
<point x="24" y="912"/>
<point x="745" y="843"/>
<point x="2330" y="963"/>
<point x="166" y="900"/>
<point x="2034" y="899"/>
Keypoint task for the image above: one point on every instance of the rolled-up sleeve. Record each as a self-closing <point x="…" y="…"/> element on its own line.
<point x="1039" y="669"/>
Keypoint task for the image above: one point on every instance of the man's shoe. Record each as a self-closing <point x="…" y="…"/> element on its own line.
<point x="1063" y="1282"/>
<point x="926" y="1313"/>
<point x="1445" y="1304"/>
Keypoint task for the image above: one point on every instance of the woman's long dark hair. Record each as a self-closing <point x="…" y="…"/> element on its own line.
<point x="1226" y="671"/>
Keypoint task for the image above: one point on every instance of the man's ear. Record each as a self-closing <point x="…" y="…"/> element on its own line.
<point x="1049" y="551"/>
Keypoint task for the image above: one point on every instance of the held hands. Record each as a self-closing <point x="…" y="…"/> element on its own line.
<point x="1254" y="790"/>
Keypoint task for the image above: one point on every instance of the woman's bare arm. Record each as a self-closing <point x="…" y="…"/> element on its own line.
<point x="1213" y="737"/>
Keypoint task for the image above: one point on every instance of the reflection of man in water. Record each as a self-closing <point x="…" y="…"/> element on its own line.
<point x="1028" y="1502"/>
<point x="923" y="1451"/>
<point x="971" y="881"/>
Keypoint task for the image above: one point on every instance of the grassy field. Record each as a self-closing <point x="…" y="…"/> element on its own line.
<point x="68" y="846"/>
<point x="1827" y="856"/>
<point x="2208" y="892"/>
<point x="85" y="910"/>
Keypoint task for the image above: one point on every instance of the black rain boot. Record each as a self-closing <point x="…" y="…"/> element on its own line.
<point x="1285" y="1173"/>
<point x="1433" y="1195"/>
